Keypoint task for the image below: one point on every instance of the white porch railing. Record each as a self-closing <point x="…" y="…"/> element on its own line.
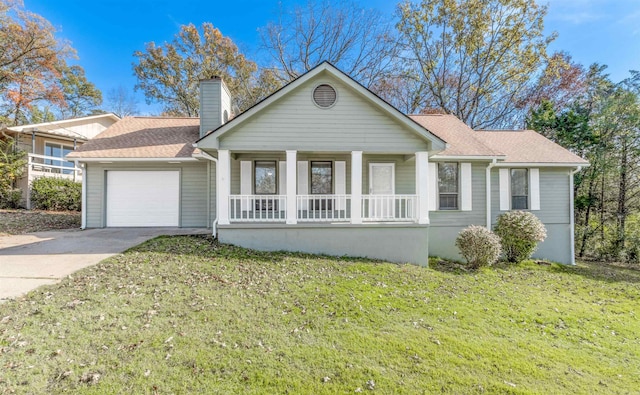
<point x="257" y="208"/>
<point x="323" y="208"/>
<point x="385" y="208"/>
<point x="52" y="166"/>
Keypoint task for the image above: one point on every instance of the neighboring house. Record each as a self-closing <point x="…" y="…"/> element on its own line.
<point x="325" y="166"/>
<point x="48" y="143"/>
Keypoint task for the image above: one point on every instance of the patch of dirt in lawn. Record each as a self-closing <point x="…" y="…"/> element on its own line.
<point x="15" y="222"/>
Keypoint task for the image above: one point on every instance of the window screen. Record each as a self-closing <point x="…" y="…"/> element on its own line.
<point x="448" y="186"/>
<point x="265" y="178"/>
<point x="519" y="189"/>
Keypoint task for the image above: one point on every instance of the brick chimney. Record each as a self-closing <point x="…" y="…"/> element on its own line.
<point x="215" y="104"/>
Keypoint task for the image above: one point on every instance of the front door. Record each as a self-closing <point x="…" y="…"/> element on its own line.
<point x="381" y="190"/>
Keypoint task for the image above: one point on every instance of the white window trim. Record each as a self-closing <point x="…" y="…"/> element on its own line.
<point x="458" y="194"/>
<point x="533" y="188"/>
<point x="465" y="187"/>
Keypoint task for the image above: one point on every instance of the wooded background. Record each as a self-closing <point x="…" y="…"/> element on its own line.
<point x="485" y="61"/>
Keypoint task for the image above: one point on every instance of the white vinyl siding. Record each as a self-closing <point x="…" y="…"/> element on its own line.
<point x="143" y="198"/>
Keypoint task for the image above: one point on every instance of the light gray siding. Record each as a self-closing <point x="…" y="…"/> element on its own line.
<point x="193" y="191"/>
<point x="296" y="123"/>
<point x="446" y="224"/>
<point x="462" y="219"/>
<point x="554" y="196"/>
<point x="280" y="156"/>
<point x="212" y="192"/>
<point x="405" y="176"/>
<point x="193" y="196"/>
<point x="210" y="105"/>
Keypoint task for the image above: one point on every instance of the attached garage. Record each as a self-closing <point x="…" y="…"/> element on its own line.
<point x="143" y="198"/>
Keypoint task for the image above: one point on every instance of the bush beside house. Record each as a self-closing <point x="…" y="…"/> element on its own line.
<point x="479" y="246"/>
<point x="519" y="232"/>
<point x="56" y="194"/>
<point x="12" y="162"/>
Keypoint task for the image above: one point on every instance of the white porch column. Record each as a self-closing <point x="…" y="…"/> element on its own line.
<point x="422" y="186"/>
<point x="223" y="186"/>
<point x="356" y="187"/>
<point x="292" y="200"/>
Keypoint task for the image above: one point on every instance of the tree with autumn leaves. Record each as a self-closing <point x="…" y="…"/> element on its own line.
<point x="34" y="70"/>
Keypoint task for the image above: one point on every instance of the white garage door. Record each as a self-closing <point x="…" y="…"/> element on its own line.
<point x="143" y="198"/>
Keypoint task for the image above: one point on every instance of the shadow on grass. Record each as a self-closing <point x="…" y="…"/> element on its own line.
<point x="601" y="272"/>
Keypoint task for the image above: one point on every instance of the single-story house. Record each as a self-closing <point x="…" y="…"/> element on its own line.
<point x="324" y="165"/>
<point x="47" y="144"/>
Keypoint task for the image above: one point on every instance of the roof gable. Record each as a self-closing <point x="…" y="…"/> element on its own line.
<point x="83" y="128"/>
<point x="284" y="106"/>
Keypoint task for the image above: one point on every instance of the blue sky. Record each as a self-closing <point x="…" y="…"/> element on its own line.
<point x="105" y="33"/>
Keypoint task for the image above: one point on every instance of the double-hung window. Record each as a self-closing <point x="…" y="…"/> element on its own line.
<point x="448" y="186"/>
<point x="265" y="183"/>
<point x="57" y="150"/>
<point x="519" y="189"/>
<point x="321" y="183"/>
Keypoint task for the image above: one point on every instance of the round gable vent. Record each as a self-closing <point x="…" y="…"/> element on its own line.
<point x="324" y="96"/>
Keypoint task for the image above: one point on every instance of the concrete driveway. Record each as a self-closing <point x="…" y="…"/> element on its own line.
<point x="31" y="260"/>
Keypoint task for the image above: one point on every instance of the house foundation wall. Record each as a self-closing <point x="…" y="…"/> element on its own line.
<point x="393" y="243"/>
<point x="556" y="247"/>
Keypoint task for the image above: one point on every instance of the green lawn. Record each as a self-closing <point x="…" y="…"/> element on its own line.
<point x="182" y="315"/>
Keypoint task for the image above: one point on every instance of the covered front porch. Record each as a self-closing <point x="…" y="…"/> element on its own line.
<point x="293" y="187"/>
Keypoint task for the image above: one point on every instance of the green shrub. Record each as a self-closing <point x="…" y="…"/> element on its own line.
<point x="479" y="246"/>
<point x="519" y="232"/>
<point x="58" y="194"/>
<point x="10" y="198"/>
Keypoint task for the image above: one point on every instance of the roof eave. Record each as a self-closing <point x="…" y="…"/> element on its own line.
<point x="468" y="157"/>
<point x="543" y="164"/>
<point x="131" y="159"/>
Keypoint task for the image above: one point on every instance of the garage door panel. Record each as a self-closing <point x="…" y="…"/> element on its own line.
<point x="143" y="198"/>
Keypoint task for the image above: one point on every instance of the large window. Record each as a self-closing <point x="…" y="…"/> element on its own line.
<point x="321" y="184"/>
<point x="58" y="150"/>
<point x="519" y="189"/>
<point x="265" y="178"/>
<point x="321" y="178"/>
<point x="448" y="186"/>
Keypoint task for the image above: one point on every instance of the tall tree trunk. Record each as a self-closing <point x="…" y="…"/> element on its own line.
<point x="586" y="233"/>
<point x="621" y="212"/>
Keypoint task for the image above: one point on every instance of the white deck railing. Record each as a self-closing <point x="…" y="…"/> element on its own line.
<point x="43" y="165"/>
<point x="257" y="208"/>
<point x="323" y="208"/>
<point x="385" y="208"/>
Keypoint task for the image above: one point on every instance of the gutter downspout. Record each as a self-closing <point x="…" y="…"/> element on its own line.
<point x="488" y="190"/>
<point x="572" y="215"/>
<point x="214" y="225"/>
